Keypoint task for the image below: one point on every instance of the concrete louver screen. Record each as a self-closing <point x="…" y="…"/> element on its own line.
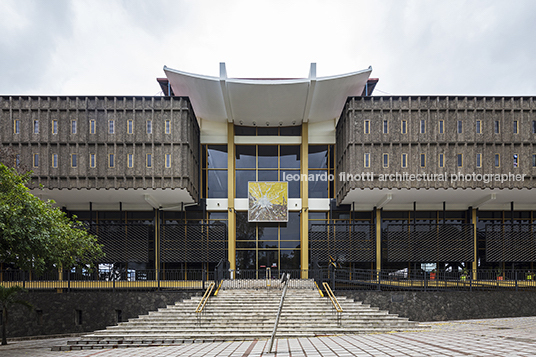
<point x="124" y="242"/>
<point x="510" y="243"/>
<point x="189" y="243"/>
<point x="411" y="242"/>
<point x="347" y="243"/>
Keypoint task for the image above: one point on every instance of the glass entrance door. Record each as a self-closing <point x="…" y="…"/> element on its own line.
<point x="268" y="245"/>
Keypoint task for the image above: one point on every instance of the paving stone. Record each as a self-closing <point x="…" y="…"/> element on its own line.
<point x="493" y="337"/>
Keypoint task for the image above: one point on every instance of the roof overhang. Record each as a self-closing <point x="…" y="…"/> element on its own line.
<point x="108" y="200"/>
<point x="267" y="102"/>
<point x="432" y="199"/>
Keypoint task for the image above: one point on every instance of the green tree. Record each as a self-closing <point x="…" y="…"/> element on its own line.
<point x="36" y="235"/>
<point x="7" y="300"/>
<point x="11" y="159"/>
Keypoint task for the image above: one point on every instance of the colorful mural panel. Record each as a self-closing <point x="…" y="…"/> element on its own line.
<point x="268" y="202"/>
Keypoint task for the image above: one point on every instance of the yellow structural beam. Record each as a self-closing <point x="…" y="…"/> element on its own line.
<point x="231" y="226"/>
<point x="378" y="240"/>
<point x="304" y="216"/>
<point x="157" y="244"/>
<point x="475" y="243"/>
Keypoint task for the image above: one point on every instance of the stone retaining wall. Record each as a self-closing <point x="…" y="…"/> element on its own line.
<point x="59" y="313"/>
<point x="442" y="306"/>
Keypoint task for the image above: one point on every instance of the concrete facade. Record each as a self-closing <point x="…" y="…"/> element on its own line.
<point x="189" y="208"/>
<point x="81" y="126"/>
<point x="353" y="143"/>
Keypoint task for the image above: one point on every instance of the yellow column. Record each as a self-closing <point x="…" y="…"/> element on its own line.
<point x="378" y="239"/>
<point x="304" y="216"/>
<point x="231" y="226"/>
<point x="60" y="277"/>
<point x="475" y="242"/>
<point x="156" y="243"/>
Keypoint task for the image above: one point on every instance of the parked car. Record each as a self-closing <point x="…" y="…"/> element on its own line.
<point x="403" y="274"/>
<point x="399" y="274"/>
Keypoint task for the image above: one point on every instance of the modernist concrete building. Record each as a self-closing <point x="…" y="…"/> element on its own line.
<point x="376" y="182"/>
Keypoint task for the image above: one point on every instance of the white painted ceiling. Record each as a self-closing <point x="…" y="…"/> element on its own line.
<point x="131" y="199"/>
<point x="432" y="199"/>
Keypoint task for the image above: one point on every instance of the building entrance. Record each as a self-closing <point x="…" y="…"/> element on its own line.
<point x="268" y="245"/>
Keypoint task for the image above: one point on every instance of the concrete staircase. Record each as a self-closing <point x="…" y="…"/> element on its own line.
<point x="246" y="314"/>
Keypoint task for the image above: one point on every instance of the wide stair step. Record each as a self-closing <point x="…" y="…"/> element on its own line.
<point x="246" y="314"/>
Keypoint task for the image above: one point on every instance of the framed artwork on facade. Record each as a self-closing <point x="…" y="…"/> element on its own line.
<point x="267" y="201"/>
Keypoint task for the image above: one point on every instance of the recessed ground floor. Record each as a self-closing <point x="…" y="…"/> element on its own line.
<point x="196" y="239"/>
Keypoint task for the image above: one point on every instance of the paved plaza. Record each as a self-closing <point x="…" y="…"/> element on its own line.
<point x="492" y="337"/>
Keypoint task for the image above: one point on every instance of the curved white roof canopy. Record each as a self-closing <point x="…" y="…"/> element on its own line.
<point x="265" y="102"/>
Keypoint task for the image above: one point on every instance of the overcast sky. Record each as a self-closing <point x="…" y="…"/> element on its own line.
<point x="415" y="47"/>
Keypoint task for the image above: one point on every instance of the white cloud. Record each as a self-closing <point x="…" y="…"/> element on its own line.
<point x="119" y="47"/>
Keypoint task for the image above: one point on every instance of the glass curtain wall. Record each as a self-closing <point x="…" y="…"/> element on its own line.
<point x="263" y="245"/>
<point x="214" y="171"/>
<point x="321" y="171"/>
<point x="267" y="163"/>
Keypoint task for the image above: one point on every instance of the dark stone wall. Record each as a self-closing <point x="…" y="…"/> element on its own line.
<point x="98" y="309"/>
<point x="442" y="306"/>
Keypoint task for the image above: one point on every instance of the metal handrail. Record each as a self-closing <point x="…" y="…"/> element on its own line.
<point x="218" y="289"/>
<point x="268" y="277"/>
<point x="332" y="297"/>
<point x="205" y="297"/>
<point x="284" y="279"/>
<point x="112" y="279"/>
<point x="319" y="290"/>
